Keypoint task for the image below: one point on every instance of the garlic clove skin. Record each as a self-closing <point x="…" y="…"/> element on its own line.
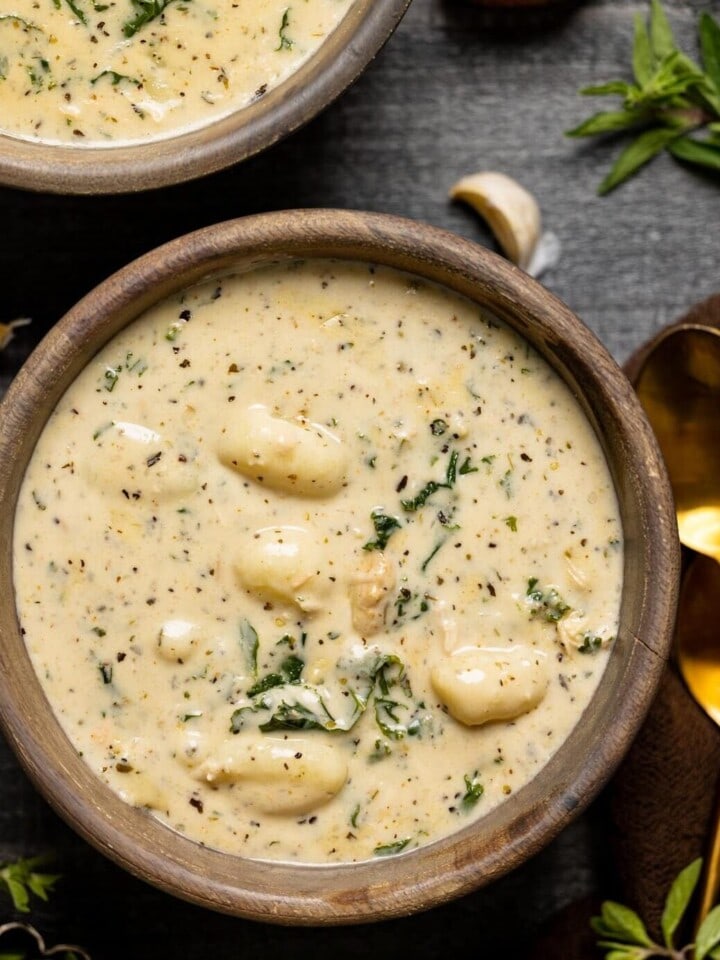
<point x="512" y="213"/>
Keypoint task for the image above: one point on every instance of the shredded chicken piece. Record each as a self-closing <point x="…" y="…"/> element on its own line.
<point x="370" y="593"/>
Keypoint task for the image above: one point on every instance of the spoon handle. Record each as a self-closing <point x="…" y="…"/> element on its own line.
<point x="710" y="879"/>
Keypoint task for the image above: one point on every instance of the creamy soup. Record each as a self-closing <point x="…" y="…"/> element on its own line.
<point x="318" y="562"/>
<point x="108" y="72"/>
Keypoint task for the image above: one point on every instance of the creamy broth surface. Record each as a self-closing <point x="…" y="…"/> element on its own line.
<point x="318" y="563"/>
<point x="88" y="73"/>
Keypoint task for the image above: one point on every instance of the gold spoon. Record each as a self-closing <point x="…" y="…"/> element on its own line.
<point x="679" y="387"/>
<point x="698" y="652"/>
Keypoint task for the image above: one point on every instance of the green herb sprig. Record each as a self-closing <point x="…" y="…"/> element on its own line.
<point x="22" y="878"/>
<point x="674" y="103"/>
<point x="623" y="935"/>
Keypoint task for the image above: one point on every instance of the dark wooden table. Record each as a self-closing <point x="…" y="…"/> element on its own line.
<point x="446" y="97"/>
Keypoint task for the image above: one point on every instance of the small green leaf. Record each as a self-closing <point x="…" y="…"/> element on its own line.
<point x="21" y="878"/>
<point x="710" y="46"/>
<point x="41" y="884"/>
<point x="678" y="899"/>
<point x="676" y="75"/>
<point x="18" y="894"/>
<point x="705" y="154"/>
<point x="620" y="951"/>
<point x="626" y="951"/>
<point x="623" y="922"/>
<point x="643" y="60"/>
<point x="636" y="155"/>
<point x="608" y="121"/>
<point x="619" y="87"/>
<point x="708" y="936"/>
<point x="662" y="41"/>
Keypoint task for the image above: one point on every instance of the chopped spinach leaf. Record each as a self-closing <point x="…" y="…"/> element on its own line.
<point x="80" y="14"/>
<point x="381" y="751"/>
<point x="290" y="672"/>
<point x="296" y="716"/>
<point x="237" y="720"/>
<point x="385" y="526"/>
<point x="432" y="486"/>
<point x="473" y="791"/>
<point x="389" y="849"/>
<point x="27" y="24"/>
<point x="426" y="561"/>
<point x="145" y="12"/>
<point x="249" y="642"/>
<point x="115" y="79"/>
<point x="409" y="606"/>
<point x="591" y="643"/>
<point x="285" y="42"/>
<point x="547" y="604"/>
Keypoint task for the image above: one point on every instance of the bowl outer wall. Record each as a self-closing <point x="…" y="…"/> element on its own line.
<point x="518" y="828"/>
<point x="336" y="64"/>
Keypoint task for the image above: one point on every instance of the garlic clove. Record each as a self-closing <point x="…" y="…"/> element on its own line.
<point x="511" y="212"/>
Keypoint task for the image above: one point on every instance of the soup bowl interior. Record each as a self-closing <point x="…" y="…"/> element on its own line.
<point x="519" y="827"/>
<point x="340" y="59"/>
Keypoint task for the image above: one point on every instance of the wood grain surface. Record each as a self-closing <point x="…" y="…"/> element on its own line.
<point x="447" y="96"/>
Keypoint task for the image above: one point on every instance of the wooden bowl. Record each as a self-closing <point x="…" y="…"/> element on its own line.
<point x="513" y="831"/>
<point x="158" y="163"/>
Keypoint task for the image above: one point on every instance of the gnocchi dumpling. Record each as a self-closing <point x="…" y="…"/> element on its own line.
<point x="142" y="790"/>
<point x="135" y="462"/>
<point x="303" y="458"/>
<point x="284" y="563"/>
<point x="177" y="639"/>
<point x="478" y="685"/>
<point x="279" y="776"/>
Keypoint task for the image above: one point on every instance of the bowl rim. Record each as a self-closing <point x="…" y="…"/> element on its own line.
<point x="336" y="64"/>
<point x="516" y="829"/>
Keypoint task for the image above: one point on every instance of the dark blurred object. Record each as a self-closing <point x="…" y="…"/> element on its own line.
<point x="517" y="17"/>
<point x="662" y="798"/>
<point x="569" y="935"/>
